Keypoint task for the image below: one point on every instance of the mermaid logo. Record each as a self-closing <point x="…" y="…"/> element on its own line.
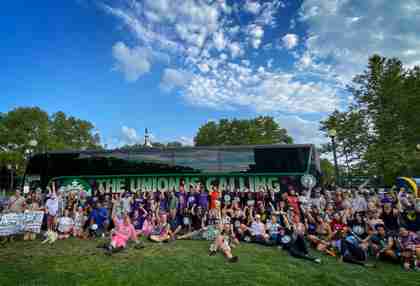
<point x="76" y="186"/>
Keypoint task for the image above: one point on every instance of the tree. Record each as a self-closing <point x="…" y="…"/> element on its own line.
<point x="380" y="130"/>
<point x="21" y="125"/>
<point x="327" y="169"/>
<point x="261" y="130"/>
<point x="71" y="133"/>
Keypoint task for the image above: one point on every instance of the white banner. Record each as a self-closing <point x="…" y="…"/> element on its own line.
<point x="14" y="223"/>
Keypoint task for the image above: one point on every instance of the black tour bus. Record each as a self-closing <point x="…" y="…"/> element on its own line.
<point x="240" y="168"/>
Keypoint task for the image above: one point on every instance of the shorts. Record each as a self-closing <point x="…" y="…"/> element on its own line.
<point x="50" y="219"/>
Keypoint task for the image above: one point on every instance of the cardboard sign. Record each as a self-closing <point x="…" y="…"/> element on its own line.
<point x="14" y="223"/>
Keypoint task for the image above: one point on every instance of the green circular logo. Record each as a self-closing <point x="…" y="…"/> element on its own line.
<point x="76" y="186"/>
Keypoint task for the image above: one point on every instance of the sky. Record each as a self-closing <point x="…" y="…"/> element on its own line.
<point x="173" y="65"/>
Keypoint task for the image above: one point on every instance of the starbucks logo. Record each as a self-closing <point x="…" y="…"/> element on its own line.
<point x="308" y="181"/>
<point x="76" y="186"/>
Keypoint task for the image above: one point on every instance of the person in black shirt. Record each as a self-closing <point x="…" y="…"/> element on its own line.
<point x="383" y="245"/>
<point x="390" y="217"/>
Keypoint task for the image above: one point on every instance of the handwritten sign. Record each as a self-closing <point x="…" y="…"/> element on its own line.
<point x="14" y="223"/>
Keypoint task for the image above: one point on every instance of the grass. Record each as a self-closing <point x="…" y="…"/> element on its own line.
<point x="75" y="262"/>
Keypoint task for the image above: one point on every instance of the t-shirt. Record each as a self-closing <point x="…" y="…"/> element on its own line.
<point x="99" y="216"/>
<point x="65" y="224"/>
<point x="214" y="196"/>
<point x="125" y="231"/>
<point x="337" y="226"/>
<point x="273" y="228"/>
<point x="203" y="200"/>
<point x="257" y="228"/>
<point x="17" y="204"/>
<point x="126" y="204"/>
<point x="52" y="206"/>
<point x="390" y="221"/>
<point x="382" y="241"/>
<point x="358" y="228"/>
<point x="173" y="203"/>
<point x="174" y="223"/>
<point x="412" y="221"/>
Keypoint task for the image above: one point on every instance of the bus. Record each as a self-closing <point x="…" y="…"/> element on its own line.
<point x="236" y="168"/>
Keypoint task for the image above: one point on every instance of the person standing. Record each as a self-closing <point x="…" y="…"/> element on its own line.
<point x="51" y="210"/>
<point x="16" y="203"/>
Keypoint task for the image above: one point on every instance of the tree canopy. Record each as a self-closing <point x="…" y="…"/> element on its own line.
<point x="22" y="125"/>
<point x="260" y="130"/>
<point x="379" y="132"/>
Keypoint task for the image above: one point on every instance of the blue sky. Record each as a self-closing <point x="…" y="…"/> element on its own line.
<point x="172" y="65"/>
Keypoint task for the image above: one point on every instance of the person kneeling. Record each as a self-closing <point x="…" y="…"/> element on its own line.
<point x="223" y="243"/>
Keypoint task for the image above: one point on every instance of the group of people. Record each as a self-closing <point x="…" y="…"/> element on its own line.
<point x="350" y="224"/>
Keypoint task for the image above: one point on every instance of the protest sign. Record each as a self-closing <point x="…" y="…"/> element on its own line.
<point x="14" y="223"/>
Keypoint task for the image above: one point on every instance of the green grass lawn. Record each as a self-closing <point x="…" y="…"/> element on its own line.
<point x="75" y="262"/>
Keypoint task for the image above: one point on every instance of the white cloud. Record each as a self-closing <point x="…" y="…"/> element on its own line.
<point x="256" y="34"/>
<point x="235" y="49"/>
<point x="348" y="32"/>
<point x="260" y="90"/>
<point x="187" y="141"/>
<point x="173" y="78"/>
<point x="302" y="131"/>
<point x="210" y="50"/>
<point x="252" y="6"/>
<point x="290" y="41"/>
<point x="132" y="62"/>
<point x="219" y="41"/>
<point x="129" y="135"/>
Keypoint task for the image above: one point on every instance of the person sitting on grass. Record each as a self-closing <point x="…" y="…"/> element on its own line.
<point x="382" y="244"/>
<point x="258" y="231"/>
<point x="121" y="234"/>
<point x="162" y="231"/>
<point x="98" y="220"/>
<point x="273" y="228"/>
<point x="65" y="225"/>
<point x="295" y="243"/>
<point x="175" y="225"/>
<point x="409" y="244"/>
<point x="223" y="243"/>
<point x="79" y="219"/>
<point x="352" y="250"/>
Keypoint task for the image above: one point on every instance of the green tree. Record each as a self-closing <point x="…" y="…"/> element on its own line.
<point x="21" y="125"/>
<point x="327" y="169"/>
<point x="260" y="130"/>
<point x="71" y="133"/>
<point x="379" y="132"/>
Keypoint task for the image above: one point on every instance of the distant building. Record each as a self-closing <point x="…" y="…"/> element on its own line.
<point x="147" y="142"/>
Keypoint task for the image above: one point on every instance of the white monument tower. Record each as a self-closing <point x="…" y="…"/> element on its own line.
<point x="147" y="142"/>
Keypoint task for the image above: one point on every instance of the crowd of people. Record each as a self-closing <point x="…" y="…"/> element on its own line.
<point x="355" y="225"/>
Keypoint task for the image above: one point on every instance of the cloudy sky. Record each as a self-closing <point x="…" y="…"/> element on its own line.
<point x="172" y="65"/>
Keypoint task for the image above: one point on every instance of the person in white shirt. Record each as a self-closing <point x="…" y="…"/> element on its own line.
<point x="258" y="231"/>
<point x="51" y="210"/>
<point x="359" y="203"/>
<point x="65" y="225"/>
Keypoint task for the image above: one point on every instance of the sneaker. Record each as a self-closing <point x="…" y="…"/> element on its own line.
<point x="369" y="265"/>
<point x="212" y="253"/>
<point x="139" y="245"/>
<point x="317" y="260"/>
<point x="234" y="259"/>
